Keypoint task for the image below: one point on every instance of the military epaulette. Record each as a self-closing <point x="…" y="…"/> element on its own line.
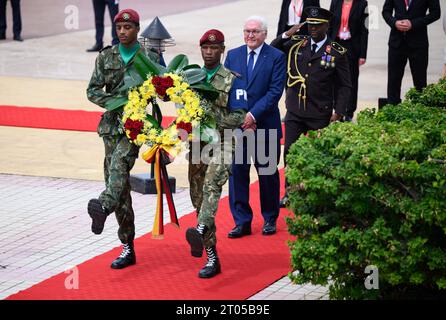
<point x="337" y="47"/>
<point x="105" y="48"/>
<point x="299" y="37"/>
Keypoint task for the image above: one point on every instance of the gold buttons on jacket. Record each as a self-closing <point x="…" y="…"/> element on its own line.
<point x="309" y="64"/>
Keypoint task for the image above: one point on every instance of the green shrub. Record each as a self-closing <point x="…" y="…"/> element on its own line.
<point x="433" y="95"/>
<point x="372" y="194"/>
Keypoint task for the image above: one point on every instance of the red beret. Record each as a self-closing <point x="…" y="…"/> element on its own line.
<point x="127" y="15"/>
<point x="212" y="36"/>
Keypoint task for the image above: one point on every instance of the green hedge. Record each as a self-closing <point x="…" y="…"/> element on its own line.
<point x="373" y="193"/>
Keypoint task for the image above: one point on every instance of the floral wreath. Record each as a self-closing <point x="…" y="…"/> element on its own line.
<point x="140" y="126"/>
<point x="184" y="85"/>
<point x="180" y="83"/>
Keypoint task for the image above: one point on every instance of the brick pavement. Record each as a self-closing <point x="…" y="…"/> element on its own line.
<point x="45" y="230"/>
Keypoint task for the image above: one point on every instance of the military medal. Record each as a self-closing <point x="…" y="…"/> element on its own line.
<point x="324" y="60"/>
<point x="333" y="62"/>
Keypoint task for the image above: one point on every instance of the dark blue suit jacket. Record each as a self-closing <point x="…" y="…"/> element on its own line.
<point x="266" y="85"/>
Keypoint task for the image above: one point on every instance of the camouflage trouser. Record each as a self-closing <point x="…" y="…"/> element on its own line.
<point x="196" y="175"/>
<point x="120" y="156"/>
<point x="206" y="181"/>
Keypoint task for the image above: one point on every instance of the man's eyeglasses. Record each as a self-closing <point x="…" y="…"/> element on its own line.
<point x="254" y="32"/>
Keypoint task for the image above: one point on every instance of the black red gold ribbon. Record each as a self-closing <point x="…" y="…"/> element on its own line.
<point x="156" y="154"/>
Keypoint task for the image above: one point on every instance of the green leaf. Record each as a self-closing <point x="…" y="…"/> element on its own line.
<point x="156" y="112"/>
<point x="132" y="79"/>
<point x="144" y="66"/>
<point x="115" y="103"/>
<point x="206" y="90"/>
<point x="153" y="121"/>
<point x="193" y="76"/>
<point x="191" y="66"/>
<point x="177" y="64"/>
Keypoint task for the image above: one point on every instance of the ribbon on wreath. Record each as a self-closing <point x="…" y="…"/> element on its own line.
<point x="156" y="155"/>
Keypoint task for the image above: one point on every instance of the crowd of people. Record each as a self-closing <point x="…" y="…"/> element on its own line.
<point x="315" y="58"/>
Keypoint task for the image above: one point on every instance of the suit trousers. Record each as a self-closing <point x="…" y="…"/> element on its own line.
<point x="16" y="17"/>
<point x="295" y="126"/>
<point x="397" y="60"/>
<point x="99" y="11"/>
<point x="266" y="156"/>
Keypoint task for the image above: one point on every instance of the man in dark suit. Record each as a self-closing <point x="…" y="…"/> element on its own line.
<point x="316" y="67"/>
<point x="292" y="13"/>
<point x="99" y="11"/>
<point x="349" y="28"/>
<point x="408" y="41"/>
<point x="263" y="69"/>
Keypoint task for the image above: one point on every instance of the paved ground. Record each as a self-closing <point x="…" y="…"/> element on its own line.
<point x="51" y="17"/>
<point x="45" y="231"/>
<point x="51" y="69"/>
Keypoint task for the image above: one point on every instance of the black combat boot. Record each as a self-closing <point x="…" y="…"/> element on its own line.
<point x="98" y="215"/>
<point x="127" y="257"/>
<point x="195" y="238"/>
<point x="212" y="267"/>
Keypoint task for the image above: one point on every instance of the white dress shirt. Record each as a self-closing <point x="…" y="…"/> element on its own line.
<point x="319" y="44"/>
<point x="257" y="52"/>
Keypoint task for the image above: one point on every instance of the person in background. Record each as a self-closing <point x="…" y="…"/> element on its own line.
<point x="99" y="11"/>
<point x="408" y="20"/>
<point x="293" y="13"/>
<point x="349" y="28"/>
<point x="16" y="20"/>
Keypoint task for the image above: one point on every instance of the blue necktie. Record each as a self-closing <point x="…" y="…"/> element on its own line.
<point x="250" y="67"/>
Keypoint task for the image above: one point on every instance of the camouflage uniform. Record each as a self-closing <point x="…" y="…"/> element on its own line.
<point x="120" y="155"/>
<point x="206" y="180"/>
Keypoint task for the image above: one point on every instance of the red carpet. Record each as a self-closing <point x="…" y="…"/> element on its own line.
<point x="165" y="270"/>
<point x="57" y="119"/>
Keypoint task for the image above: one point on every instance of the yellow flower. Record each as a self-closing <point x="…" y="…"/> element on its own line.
<point x="184" y="86"/>
<point x="141" y="138"/>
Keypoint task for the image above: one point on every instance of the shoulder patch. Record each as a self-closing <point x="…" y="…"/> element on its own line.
<point x="337" y="47"/>
<point x="105" y="48"/>
<point x="299" y="37"/>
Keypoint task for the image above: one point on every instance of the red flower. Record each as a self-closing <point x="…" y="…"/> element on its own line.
<point x="162" y="84"/>
<point x="134" y="126"/>
<point x="156" y="81"/>
<point x="167" y="82"/>
<point x="187" y="126"/>
<point x="161" y="91"/>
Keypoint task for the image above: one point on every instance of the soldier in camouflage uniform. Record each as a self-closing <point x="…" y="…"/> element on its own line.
<point x="207" y="179"/>
<point x="111" y="72"/>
